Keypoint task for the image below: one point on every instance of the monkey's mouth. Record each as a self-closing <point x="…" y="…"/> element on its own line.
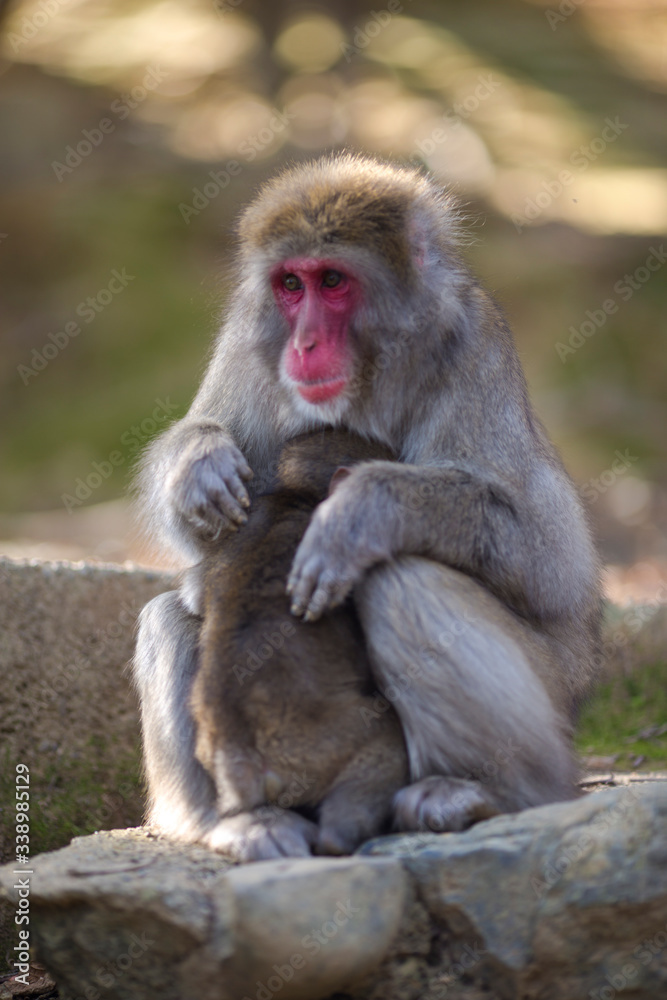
<point x="322" y="390"/>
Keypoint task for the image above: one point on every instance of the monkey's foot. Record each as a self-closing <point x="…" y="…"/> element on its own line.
<point x="339" y="839"/>
<point x="263" y="835"/>
<point x="442" y="804"/>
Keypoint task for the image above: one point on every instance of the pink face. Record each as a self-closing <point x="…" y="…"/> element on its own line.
<point x="318" y="298"/>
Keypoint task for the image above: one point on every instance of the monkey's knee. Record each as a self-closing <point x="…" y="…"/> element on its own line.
<point x="460" y="671"/>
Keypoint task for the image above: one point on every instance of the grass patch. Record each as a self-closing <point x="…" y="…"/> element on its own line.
<point x="72" y="797"/>
<point x="624" y="717"/>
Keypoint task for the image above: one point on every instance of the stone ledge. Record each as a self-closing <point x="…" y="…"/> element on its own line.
<point x="561" y="902"/>
<point x="66" y="636"/>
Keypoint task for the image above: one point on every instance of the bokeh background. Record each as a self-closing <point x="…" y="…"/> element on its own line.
<point x="133" y="130"/>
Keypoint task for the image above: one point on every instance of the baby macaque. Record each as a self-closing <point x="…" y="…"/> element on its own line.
<point x="285" y="710"/>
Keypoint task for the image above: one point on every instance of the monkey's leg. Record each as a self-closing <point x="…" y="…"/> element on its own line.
<point x="462" y="673"/>
<point x="182" y="799"/>
<point x="359" y="806"/>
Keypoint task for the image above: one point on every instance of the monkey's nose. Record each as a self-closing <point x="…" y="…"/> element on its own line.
<point x="306" y="342"/>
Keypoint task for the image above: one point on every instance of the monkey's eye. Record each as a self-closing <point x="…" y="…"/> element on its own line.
<point x="331" y="279"/>
<point x="291" y="283"/>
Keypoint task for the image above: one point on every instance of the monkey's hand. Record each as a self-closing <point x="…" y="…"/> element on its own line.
<point x="206" y="486"/>
<point x="345" y="538"/>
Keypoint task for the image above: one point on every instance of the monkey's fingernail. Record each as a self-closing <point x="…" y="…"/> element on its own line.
<point x="245" y="500"/>
<point x="296" y="609"/>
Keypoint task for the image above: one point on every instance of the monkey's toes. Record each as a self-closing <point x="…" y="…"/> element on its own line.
<point x="442" y="804"/>
<point x="334" y="841"/>
<point x="265" y="836"/>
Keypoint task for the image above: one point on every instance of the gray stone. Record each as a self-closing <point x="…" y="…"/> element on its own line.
<point x="66" y="635"/>
<point x="133" y="916"/>
<point x="555" y="902"/>
<point x="562" y="902"/>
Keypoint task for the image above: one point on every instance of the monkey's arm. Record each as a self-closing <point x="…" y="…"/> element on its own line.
<point x="529" y="545"/>
<point x="192" y="484"/>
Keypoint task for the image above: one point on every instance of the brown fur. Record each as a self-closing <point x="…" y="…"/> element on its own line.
<point x="285" y="710"/>
<point x="334" y="205"/>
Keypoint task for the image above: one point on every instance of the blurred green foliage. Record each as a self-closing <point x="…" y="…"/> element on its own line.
<point x="225" y="66"/>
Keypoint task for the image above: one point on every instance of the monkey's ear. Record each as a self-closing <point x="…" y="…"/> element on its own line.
<point x="341" y="473"/>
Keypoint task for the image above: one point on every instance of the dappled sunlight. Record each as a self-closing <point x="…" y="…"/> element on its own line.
<point x="310" y="44"/>
<point x="602" y="200"/>
<point x="240" y="125"/>
<point x="405" y="42"/>
<point x="396" y="85"/>
<point x="318" y="109"/>
<point x="91" y="41"/>
<point x="638" y="44"/>
<point x="632" y="32"/>
<point x="546" y="121"/>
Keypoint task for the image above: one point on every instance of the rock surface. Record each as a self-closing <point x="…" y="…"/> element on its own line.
<point x="565" y="901"/>
<point x="66" y="635"/>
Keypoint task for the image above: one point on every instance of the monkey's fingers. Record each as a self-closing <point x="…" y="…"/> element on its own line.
<point x="242" y="468"/>
<point x="302" y="583"/>
<point x="238" y="490"/>
<point x="315" y="590"/>
<point x="329" y="594"/>
<point x="225" y="505"/>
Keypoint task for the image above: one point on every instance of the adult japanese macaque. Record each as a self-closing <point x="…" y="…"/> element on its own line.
<point x="284" y="710"/>
<point x="468" y="559"/>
